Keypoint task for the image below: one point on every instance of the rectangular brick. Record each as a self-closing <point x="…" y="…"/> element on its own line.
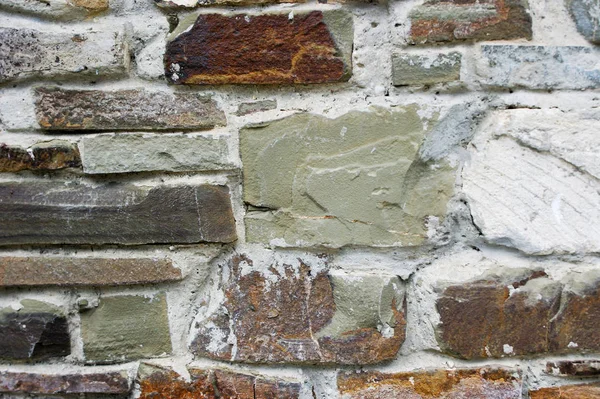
<point x="582" y="391"/>
<point x="28" y="53"/>
<point x="54" y="213"/>
<point x="107" y="383"/>
<point x="50" y="155"/>
<point x="123" y="153"/>
<point x="310" y="47"/>
<point x="410" y="69"/>
<point x="45" y="271"/>
<point x="61" y="109"/>
<point x="539" y="67"/>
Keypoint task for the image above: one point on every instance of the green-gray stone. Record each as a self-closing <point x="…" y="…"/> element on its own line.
<point x="410" y="69"/>
<point x="354" y="180"/>
<point x="126" y="327"/>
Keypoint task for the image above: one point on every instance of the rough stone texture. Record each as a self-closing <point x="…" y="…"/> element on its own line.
<point x="50" y="155"/>
<point x="294" y="314"/>
<point x="539" y="67"/>
<point x="36" y="331"/>
<point x="59" y="109"/>
<point x="198" y="3"/>
<point x="584" y="391"/>
<point x="314" y="47"/>
<point x="544" y="166"/>
<point x="456" y="20"/>
<point x="106" y="383"/>
<point x="56" y="9"/>
<point x="354" y="180"/>
<point x="485" y="383"/>
<point x="160" y="383"/>
<point x="126" y="327"/>
<point x="257" y="106"/>
<point x="27" y="53"/>
<point x="517" y="312"/>
<point x="123" y="153"/>
<point x="45" y="271"/>
<point x="56" y="213"/>
<point x="574" y="368"/>
<point x="410" y="69"/>
<point x="586" y="14"/>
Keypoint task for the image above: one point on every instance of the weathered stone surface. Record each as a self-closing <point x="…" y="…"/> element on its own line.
<point x="36" y="331"/>
<point x="56" y="9"/>
<point x="584" y="391"/>
<point x="544" y="167"/>
<point x="457" y="20"/>
<point x="516" y="312"/>
<point x="354" y="180"/>
<point x="59" y="109"/>
<point x="294" y="314"/>
<point x="159" y="383"/>
<point x="410" y="69"/>
<point x="574" y="368"/>
<point x="485" y="383"/>
<point x="199" y="3"/>
<point x="539" y="67"/>
<point x="123" y="153"/>
<point x="45" y="271"/>
<point x="586" y="14"/>
<point x="26" y="53"/>
<point x="126" y="327"/>
<point x="106" y="383"/>
<point x="313" y="47"/>
<point x="257" y="106"/>
<point x="51" y="155"/>
<point x="55" y="213"/>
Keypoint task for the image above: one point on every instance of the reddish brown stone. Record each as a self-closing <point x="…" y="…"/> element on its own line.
<point x="186" y="5"/>
<point x="457" y="20"/>
<point x="262" y="49"/>
<point x="42" y="271"/>
<point x="483" y="383"/>
<point x="574" y="368"/>
<point x="43" y="156"/>
<point x="588" y="391"/>
<point x="290" y="319"/>
<point x="76" y="383"/>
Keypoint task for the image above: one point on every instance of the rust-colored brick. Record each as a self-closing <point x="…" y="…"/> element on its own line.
<point x="587" y="391"/>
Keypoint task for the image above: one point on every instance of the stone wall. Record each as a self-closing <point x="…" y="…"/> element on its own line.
<point x="300" y="200"/>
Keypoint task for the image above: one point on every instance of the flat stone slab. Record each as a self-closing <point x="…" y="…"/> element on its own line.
<point x="586" y="14"/>
<point x="106" y="383"/>
<point x="124" y="153"/>
<point x="57" y="213"/>
<point x="28" y="53"/>
<point x="56" y="9"/>
<point x="61" y="109"/>
<point x="313" y="47"/>
<point x="410" y="69"/>
<point x="49" y="155"/>
<point x="581" y="391"/>
<point x="46" y="271"/>
<point x="187" y="4"/>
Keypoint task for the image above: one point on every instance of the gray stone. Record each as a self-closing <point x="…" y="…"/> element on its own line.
<point x="126" y="327"/>
<point x="586" y="14"/>
<point x="59" y="109"/>
<point x="257" y="106"/>
<point x="56" y="9"/>
<point x="539" y="67"/>
<point x="410" y="69"/>
<point x="354" y="180"/>
<point x="36" y="331"/>
<point x="28" y="53"/>
<point x="70" y="213"/>
<point x="107" y="383"/>
<point x="123" y="153"/>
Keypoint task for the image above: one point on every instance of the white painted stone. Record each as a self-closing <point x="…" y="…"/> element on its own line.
<point x="60" y="9"/>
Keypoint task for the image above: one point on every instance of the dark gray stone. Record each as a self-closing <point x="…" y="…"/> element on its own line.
<point x="108" y="383"/>
<point x="57" y="213"/>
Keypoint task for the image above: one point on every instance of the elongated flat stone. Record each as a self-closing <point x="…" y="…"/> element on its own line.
<point x="45" y="271"/>
<point x="51" y="155"/>
<point x="56" y="9"/>
<point x="55" y="213"/>
<point x="123" y="153"/>
<point x="59" y="109"/>
<point x="28" y="53"/>
<point x="313" y="47"/>
<point x="581" y="391"/>
<point x="199" y="3"/>
<point x="410" y="69"/>
<point x="36" y="331"/>
<point x="107" y="383"/>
